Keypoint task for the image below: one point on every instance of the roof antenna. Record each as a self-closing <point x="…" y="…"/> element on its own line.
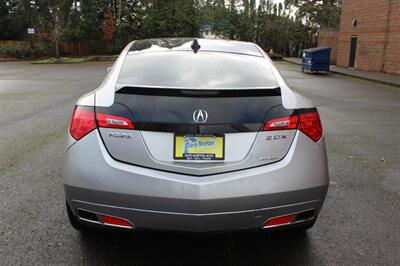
<point x="195" y="46"/>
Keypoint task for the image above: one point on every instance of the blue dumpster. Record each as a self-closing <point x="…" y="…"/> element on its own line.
<point x="316" y="59"/>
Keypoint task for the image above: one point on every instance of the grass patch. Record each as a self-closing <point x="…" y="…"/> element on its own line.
<point x="75" y="60"/>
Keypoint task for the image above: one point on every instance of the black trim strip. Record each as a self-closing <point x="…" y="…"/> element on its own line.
<point x="199" y="93"/>
<point x="196" y="128"/>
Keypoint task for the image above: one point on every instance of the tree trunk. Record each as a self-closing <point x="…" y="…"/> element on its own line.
<point x="57" y="52"/>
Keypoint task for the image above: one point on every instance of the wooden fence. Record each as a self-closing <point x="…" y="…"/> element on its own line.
<point x="12" y="43"/>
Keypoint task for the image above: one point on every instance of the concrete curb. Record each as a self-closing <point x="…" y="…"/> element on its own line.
<point x="367" y="79"/>
<point x="351" y="75"/>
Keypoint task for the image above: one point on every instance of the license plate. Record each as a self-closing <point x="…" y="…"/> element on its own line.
<point x="199" y="147"/>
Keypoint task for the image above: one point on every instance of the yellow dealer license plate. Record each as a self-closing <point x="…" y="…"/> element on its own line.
<point x="199" y="147"/>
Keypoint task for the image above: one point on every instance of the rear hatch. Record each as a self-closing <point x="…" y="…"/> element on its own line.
<point x="177" y="100"/>
<point x="162" y="117"/>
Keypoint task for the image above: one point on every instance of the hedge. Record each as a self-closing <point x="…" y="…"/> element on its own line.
<point x="23" y="51"/>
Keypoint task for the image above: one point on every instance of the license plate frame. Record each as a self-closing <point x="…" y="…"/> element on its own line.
<point x="217" y="153"/>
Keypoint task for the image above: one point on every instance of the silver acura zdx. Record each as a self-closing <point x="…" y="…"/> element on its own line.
<point x="194" y="135"/>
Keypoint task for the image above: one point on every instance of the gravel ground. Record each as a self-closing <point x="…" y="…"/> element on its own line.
<point x="359" y="223"/>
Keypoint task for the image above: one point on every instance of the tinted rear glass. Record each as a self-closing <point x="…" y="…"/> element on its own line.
<point x="204" y="70"/>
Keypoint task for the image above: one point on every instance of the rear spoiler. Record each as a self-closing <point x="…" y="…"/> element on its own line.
<point x="200" y="93"/>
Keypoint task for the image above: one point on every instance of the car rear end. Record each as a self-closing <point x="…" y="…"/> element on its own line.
<point x="195" y="141"/>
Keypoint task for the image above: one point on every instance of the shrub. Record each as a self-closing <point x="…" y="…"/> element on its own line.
<point x="13" y="51"/>
<point x="41" y="50"/>
<point x="24" y="51"/>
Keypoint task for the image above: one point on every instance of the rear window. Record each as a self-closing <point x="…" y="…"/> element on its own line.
<point x="204" y="70"/>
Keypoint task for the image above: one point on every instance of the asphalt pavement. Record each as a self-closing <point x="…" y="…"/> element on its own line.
<point x="359" y="223"/>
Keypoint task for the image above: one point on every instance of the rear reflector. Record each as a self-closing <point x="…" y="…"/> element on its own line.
<point x="282" y="220"/>
<point x="82" y="122"/>
<point x="112" y="121"/>
<point x="110" y="220"/>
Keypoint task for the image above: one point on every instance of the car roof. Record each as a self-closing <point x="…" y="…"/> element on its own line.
<point x="184" y="44"/>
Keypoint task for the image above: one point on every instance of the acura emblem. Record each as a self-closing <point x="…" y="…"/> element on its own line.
<point x="200" y="116"/>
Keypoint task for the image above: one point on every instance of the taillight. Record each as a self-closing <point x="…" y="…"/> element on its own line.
<point x="310" y="124"/>
<point x="307" y="122"/>
<point x="113" y="121"/>
<point x="282" y="123"/>
<point x="82" y="122"/>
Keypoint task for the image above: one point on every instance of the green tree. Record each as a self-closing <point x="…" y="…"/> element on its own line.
<point x="74" y="31"/>
<point x="174" y="18"/>
<point x="6" y="31"/>
<point x="271" y="25"/>
<point x="318" y="13"/>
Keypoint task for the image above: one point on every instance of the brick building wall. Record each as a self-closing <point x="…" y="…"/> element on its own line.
<point x="392" y="56"/>
<point x="377" y="31"/>
<point x="329" y="38"/>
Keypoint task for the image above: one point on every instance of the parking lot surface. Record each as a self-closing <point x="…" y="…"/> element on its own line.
<point x="359" y="223"/>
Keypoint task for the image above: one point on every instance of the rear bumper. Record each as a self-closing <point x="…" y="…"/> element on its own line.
<point x="191" y="222"/>
<point x="166" y="201"/>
